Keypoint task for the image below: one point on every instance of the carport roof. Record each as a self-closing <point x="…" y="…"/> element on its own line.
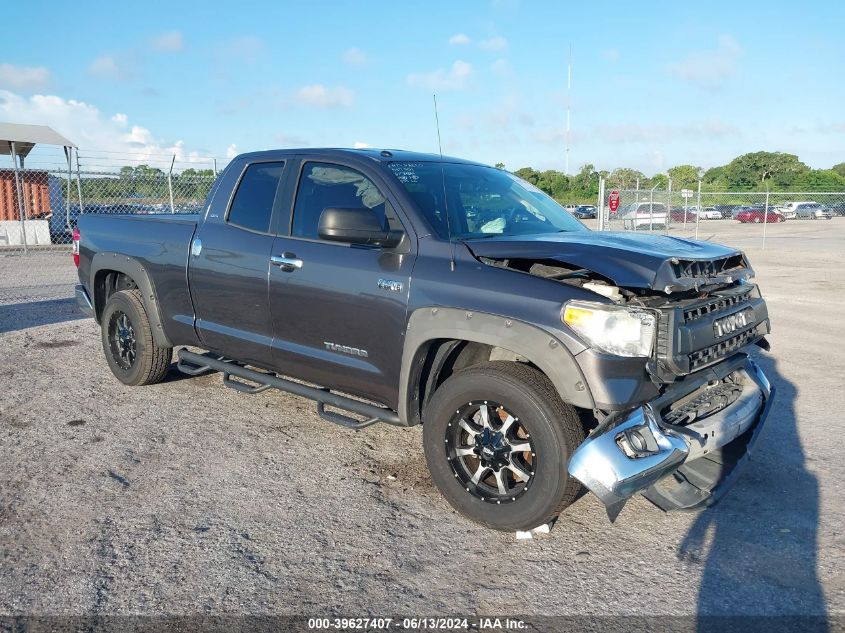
<point x="25" y="137"/>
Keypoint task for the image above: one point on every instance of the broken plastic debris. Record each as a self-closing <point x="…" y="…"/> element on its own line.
<point x="540" y="529"/>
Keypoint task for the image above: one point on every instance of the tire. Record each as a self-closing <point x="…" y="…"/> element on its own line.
<point x="550" y="429"/>
<point x="128" y="345"/>
<point x="757" y="220"/>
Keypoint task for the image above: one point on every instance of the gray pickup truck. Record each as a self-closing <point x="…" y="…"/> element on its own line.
<point x="406" y="288"/>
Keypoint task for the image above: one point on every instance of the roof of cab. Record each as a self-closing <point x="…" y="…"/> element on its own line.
<point x="375" y="154"/>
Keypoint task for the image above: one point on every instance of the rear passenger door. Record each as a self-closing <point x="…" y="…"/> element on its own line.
<point x="229" y="263"/>
<point x="340" y="313"/>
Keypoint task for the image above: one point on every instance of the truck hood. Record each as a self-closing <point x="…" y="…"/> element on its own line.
<point x="659" y="262"/>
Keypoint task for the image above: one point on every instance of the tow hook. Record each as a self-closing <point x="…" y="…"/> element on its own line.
<point x="629" y="457"/>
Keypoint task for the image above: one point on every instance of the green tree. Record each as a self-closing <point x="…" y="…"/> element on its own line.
<point x="820" y="180"/>
<point x="661" y="181"/>
<point x="754" y="169"/>
<point x="684" y="176"/>
<point x="839" y="169"/>
<point x="499" y="165"/>
<point x="626" y="178"/>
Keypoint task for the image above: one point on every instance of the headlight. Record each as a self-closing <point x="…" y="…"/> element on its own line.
<point x="613" y="329"/>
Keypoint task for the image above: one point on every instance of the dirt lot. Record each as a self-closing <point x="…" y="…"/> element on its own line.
<point x="186" y="497"/>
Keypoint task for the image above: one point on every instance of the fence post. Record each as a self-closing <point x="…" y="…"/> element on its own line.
<point x="21" y="208"/>
<point x="602" y="212"/>
<point x="668" y="217"/>
<point x="215" y="167"/>
<point x="79" y="185"/>
<point x="68" y="156"/>
<point x="170" y="183"/>
<point x="637" y="194"/>
<point x="765" y="219"/>
<point x="698" y="215"/>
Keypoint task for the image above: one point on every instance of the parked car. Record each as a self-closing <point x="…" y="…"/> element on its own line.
<point x="749" y="215"/>
<point x="725" y="209"/>
<point x="584" y="212"/>
<point x="643" y="215"/>
<point x="711" y="213"/>
<point x="812" y="211"/>
<point x="526" y="345"/>
<point x="682" y="215"/>
<point x="837" y="208"/>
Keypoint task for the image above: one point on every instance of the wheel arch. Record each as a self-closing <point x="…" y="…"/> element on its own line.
<point x="111" y="272"/>
<point x="440" y="341"/>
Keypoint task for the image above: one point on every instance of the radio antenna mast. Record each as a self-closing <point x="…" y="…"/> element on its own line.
<point x="568" y="106"/>
<point x="443" y="179"/>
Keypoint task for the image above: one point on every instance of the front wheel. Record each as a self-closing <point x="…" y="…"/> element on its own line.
<point x="497" y="440"/>
<point x="127" y="337"/>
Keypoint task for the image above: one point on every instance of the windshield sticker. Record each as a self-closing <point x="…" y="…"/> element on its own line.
<point x="406" y="172"/>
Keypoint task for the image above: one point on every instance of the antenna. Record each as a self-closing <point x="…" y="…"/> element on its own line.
<point x="568" y="106"/>
<point x="443" y="178"/>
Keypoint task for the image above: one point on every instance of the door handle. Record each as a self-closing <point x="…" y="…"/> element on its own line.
<point x="287" y="262"/>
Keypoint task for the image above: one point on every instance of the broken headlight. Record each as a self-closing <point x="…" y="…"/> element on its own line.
<point x="613" y="329"/>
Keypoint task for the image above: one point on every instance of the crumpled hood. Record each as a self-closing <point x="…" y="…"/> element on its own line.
<point x="628" y="259"/>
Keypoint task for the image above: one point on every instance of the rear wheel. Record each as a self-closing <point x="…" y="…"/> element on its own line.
<point x="497" y="440"/>
<point x="127" y="338"/>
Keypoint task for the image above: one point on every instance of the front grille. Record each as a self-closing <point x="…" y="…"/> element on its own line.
<point x="708" y="355"/>
<point x="716" y="305"/>
<point x="695" y="269"/>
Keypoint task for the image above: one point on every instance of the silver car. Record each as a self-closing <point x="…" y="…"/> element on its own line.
<point x="812" y="211"/>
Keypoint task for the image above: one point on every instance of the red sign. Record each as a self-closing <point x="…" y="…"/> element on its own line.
<point x="613" y="201"/>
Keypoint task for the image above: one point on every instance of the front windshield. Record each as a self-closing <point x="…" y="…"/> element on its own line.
<point x="482" y="201"/>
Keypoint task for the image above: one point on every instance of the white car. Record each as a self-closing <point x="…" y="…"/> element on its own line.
<point x="643" y="215"/>
<point x="789" y="210"/>
<point x="710" y="213"/>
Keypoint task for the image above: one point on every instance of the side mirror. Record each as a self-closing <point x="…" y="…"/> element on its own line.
<point x="357" y="225"/>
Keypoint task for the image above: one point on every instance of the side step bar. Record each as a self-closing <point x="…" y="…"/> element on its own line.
<point x="195" y="364"/>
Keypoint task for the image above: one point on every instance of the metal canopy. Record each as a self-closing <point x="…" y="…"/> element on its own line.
<point x="25" y="137"/>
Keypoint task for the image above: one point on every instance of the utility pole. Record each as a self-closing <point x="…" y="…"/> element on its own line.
<point x="568" y="107"/>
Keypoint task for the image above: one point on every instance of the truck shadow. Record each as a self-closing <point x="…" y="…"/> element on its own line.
<point x="19" y="316"/>
<point x="758" y="545"/>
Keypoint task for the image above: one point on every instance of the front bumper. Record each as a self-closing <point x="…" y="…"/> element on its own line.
<point x="678" y="466"/>
<point x="84" y="301"/>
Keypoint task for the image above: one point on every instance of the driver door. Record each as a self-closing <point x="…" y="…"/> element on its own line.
<point x="339" y="314"/>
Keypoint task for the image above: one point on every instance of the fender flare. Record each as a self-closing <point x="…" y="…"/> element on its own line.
<point x="134" y="269"/>
<point x="540" y="347"/>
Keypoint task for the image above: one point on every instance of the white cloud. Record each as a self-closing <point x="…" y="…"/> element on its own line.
<point x="107" y="67"/>
<point x="325" y="97"/>
<point x="711" y="69"/>
<point x="361" y="145"/>
<point x="458" y="77"/>
<point x="708" y="129"/>
<point x="459" y="39"/>
<point x="502" y="68"/>
<point x="24" y="77"/>
<point x="246" y="48"/>
<point x="91" y="130"/>
<point x="168" y="42"/>
<point x="354" y="57"/>
<point x="495" y="43"/>
<point x="231" y="151"/>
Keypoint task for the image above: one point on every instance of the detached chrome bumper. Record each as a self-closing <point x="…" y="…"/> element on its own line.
<point x="84" y="301"/>
<point x="677" y="467"/>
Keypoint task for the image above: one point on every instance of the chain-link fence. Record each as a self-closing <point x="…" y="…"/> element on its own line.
<point x="39" y="209"/>
<point x="723" y="216"/>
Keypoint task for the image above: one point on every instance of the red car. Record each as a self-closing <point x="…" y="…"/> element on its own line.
<point x="679" y="215"/>
<point x="758" y="216"/>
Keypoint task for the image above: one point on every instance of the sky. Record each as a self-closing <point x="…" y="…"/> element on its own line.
<point x="653" y="84"/>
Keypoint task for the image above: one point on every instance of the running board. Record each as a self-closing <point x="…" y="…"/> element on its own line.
<point x="195" y="364"/>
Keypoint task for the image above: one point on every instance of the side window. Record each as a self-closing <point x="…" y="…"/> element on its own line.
<point x="252" y="205"/>
<point x="324" y="185"/>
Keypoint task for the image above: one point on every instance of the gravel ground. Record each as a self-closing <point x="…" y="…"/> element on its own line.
<point x="188" y="498"/>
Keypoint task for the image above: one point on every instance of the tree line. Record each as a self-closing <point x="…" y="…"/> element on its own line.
<point x="756" y="171"/>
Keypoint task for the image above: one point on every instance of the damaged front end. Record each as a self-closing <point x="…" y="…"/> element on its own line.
<point x="683" y="449"/>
